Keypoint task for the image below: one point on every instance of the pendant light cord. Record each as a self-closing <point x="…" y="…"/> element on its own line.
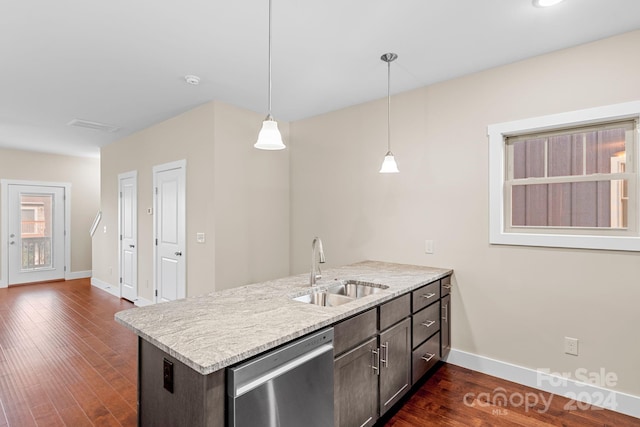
<point x="270" y="60"/>
<point x="389" y="106"/>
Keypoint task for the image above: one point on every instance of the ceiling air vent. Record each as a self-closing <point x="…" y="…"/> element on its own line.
<point x="102" y="127"/>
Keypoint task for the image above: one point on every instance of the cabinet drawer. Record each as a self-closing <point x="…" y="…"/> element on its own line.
<point x="425" y="357"/>
<point x="425" y="295"/>
<point x="445" y="286"/>
<point x="351" y="332"/>
<point x="426" y="323"/>
<point x="394" y="311"/>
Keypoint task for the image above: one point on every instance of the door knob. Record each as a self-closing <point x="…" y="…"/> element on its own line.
<point x="12" y="235"/>
<point x="178" y="253"/>
<point x="12" y="242"/>
<point x="132" y="246"/>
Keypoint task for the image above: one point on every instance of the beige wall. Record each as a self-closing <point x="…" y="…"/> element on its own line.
<point x="224" y="195"/>
<point x="513" y="304"/>
<point x="251" y="199"/>
<point x="84" y="176"/>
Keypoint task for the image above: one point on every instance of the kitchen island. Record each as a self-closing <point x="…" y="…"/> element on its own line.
<point x="195" y="339"/>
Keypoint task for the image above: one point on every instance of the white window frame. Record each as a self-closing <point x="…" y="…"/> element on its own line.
<point x="498" y="233"/>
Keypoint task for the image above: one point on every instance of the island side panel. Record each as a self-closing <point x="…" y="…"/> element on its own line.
<point x="197" y="400"/>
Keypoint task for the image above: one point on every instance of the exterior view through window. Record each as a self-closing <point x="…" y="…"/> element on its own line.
<point x="574" y="179"/>
<point x="36" y="231"/>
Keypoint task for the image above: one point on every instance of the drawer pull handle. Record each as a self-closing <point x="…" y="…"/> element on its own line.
<point x="428" y="359"/>
<point x="446" y="286"/>
<point x="445" y="317"/>
<point x="429" y="295"/>
<point x="428" y="323"/>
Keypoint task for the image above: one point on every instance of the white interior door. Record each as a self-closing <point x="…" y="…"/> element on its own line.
<point x="170" y="229"/>
<point x="36" y="227"/>
<point x="128" y="223"/>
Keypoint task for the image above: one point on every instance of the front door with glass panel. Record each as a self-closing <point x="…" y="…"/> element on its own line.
<point x="36" y="233"/>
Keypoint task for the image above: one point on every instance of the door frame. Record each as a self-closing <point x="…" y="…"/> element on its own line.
<point x="4" y="224"/>
<point x="178" y="164"/>
<point x="125" y="175"/>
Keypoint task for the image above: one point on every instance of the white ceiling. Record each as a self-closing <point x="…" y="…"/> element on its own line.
<point x="122" y="62"/>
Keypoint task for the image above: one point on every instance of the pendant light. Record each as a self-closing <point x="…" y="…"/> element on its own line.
<point x="389" y="164"/>
<point x="269" y="137"/>
<point x="546" y="3"/>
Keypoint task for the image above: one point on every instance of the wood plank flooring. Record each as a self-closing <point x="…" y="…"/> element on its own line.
<point x="64" y="361"/>
<point x="459" y="397"/>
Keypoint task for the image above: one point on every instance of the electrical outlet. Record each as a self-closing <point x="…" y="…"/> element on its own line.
<point x="167" y="375"/>
<point x="200" y="237"/>
<point x="571" y="346"/>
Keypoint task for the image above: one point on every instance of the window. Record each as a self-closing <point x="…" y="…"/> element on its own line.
<point x="567" y="180"/>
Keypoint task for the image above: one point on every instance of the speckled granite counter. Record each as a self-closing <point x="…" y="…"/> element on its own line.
<point x="212" y="331"/>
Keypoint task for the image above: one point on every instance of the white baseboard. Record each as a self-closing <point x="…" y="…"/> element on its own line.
<point x="580" y="392"/>
<point x="72" y="275"/>
<point x="142" y="302"/>
<point x="107" y="287"/>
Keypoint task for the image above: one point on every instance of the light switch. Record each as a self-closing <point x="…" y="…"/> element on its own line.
<point x="428" y="246"/>
<point x="200" y="237"/>
<point x="105" y="229"/>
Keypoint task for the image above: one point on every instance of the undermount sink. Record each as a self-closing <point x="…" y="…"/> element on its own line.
<point x="341" y="293"/>
<point x="355" y="289"/>
<point x="324" y="299"/>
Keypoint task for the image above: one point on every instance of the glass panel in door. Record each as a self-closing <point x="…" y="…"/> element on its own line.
<point x="35" y="230"/>
<point x="36" y="218"/>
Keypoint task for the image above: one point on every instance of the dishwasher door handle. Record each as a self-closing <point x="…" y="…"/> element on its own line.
<point x="292" y="364"/>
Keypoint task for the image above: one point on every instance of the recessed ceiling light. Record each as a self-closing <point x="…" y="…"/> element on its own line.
<point x="545" y="3"/>
<point x="192" y="80"/>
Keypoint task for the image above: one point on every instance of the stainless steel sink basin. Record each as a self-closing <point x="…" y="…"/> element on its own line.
<point x="324" y="299"/>
<point x="355" y="289"/>
<point x="340" y="293"/>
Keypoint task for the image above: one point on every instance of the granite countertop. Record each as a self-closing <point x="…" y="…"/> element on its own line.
<point x="216" y="330"/>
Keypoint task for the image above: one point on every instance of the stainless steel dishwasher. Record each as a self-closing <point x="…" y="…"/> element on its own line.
<point x="288" y="387"/>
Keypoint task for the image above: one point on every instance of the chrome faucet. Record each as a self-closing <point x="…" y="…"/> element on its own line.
<point x="316" y="252"/>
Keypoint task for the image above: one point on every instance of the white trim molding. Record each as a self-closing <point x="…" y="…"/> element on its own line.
<point x="579" y="393"/>
<point x="105" y="286"/>
<point x="73" y="275"/>
<point x="142" y="302"/>
<point x="497" y="173"/>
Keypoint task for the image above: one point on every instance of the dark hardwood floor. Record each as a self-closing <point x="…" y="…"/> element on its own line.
<point x="64" y="361"/>
<point x="455" y="396"/>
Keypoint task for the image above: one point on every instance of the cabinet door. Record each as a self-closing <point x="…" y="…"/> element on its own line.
<point x="445" y="326"/>
<point x="395" y="364"/>
<point x="356" y="386"/>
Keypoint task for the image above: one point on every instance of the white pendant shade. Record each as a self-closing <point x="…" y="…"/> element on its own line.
<point x="545" y="3"/>
<point x="389" y="164"/>
<point x="269" y="137"/>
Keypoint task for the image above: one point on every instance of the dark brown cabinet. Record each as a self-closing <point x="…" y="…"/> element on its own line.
<point x="356" y="386"/>
<point x="395" y="364"/>
<point x="431" y="335"/>
<point x="445" y="328"/>
<point x="372" y="376"/>
<point x="445" y="322"/>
